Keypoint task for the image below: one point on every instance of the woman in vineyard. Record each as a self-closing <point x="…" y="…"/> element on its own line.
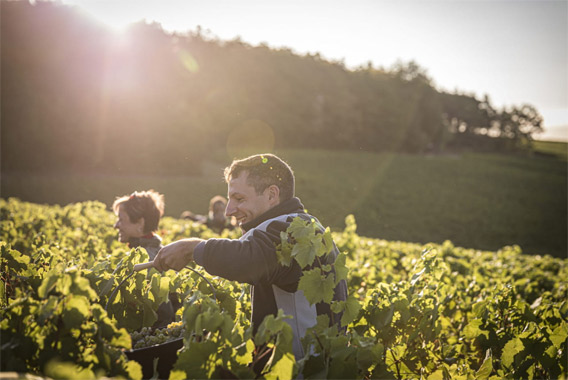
<point x="138" y="218"/>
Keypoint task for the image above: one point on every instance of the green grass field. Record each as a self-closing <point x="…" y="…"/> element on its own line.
<point x="479" y="201"/>
<point x="556" y="148"/>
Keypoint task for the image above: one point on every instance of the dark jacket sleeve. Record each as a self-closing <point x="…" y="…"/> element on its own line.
<point x="252" y="260"/>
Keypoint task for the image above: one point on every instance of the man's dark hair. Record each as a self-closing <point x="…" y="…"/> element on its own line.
<point x="263" y="171"/>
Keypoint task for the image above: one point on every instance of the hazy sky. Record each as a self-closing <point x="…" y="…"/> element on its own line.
<point x="516" y="51"/>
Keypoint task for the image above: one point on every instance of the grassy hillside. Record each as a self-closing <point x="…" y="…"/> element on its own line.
<point x="475" y="200"/>
<point x="553" y="148"/>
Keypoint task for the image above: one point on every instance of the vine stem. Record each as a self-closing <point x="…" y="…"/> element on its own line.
<point x="396" y="364"/>
<point x="263" y="353"/>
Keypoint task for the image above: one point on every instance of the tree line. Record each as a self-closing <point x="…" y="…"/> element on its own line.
<point x="77" y="97"/>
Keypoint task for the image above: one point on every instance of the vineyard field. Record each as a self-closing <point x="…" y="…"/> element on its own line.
<point x="476" y="200"/>
<point x="415" y="311"/>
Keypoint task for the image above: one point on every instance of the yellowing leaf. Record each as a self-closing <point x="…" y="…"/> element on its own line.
<point x="283" y="369"/>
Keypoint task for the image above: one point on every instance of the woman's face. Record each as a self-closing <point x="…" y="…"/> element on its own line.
<point x="126" y="229"/>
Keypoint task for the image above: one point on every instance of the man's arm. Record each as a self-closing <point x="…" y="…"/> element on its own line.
<point x="252" y="260"/>
<point x="176" y="255"/>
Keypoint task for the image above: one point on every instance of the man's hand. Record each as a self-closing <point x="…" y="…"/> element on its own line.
<point x="176" y="255"/>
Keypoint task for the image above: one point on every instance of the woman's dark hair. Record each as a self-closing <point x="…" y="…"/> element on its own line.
<point x="142" y="204"/>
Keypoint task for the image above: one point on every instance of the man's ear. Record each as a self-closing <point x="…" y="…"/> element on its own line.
<point x="274" y="194"/>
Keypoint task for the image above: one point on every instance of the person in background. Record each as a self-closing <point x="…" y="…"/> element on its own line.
<point x="138" y="216"/>
<point x="216" y="220"/>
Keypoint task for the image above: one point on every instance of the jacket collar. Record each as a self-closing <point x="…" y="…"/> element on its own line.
<point x="287" y="207"/>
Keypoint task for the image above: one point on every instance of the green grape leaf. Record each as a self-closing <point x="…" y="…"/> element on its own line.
<point x="47" y="310"/>
<point x="244" y="352"/>
<point x="150" y="315"/>
<point x="479" y="308"/>
<point x="328" y="240"/>
<point x="64" y="284"/>
<point x="299" y="228"/>
<point x="159" y="287"/>
<point x="368" y="356"/>
<point x="48" y="284"/>
<point x="437" y="375"/>
<point x="134" y="370"/>
<point x="559" y="335"/>
<point x="284" y="250"/>
<point x="317" y="246"/>
<point x="56" y="369"/>
<point x="197" y="361"/>
<point x="341" y="270"/>
<point x="75" y="311"/>
<point x="121" y="338"/>
<point x="512" y="348"/>
<point x="486" y="367"/>
<point x="176" y="374"/>
<point x="106" y="286"/>
<point x="276" y="328"/>
<point x="16" y="261"/>
<point x="350" y="310"/>
<point x="271" y="326"/>
<point x="316" y="286"/>
<point x="303" y="253"/>
<point x="315" y="367"/>
<point x="283" y="369"/>
<point x="210" y="320"/>
<point x="82" y="286"/>
<point x="473" y="329"/>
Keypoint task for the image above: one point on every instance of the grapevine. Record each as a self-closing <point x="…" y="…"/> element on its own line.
<point x="415" y="311"/>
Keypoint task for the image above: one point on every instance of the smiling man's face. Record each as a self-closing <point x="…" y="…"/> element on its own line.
<point x="244" y="203"/>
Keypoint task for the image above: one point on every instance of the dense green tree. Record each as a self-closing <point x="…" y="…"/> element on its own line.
<point x="76" y="97"/>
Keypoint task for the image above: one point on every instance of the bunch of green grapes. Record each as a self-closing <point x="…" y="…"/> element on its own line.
<point x="148" y="336"/>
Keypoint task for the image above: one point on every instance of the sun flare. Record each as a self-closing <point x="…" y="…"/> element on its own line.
<point x="117" y="16"/>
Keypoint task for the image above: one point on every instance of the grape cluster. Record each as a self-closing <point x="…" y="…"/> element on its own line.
<point x="148" y="336"/>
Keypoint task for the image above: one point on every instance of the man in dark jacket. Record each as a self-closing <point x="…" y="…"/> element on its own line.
<point x="261" y="198"/>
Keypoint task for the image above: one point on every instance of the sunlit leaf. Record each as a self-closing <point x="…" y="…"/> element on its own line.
<point x="511" y="348"/>
<point x="283" y="369"/>
<point x="341" y="270"/>
<point x="486" y="367"/>
<point x="48" y="284"/>
<point x="316" y="286"/>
